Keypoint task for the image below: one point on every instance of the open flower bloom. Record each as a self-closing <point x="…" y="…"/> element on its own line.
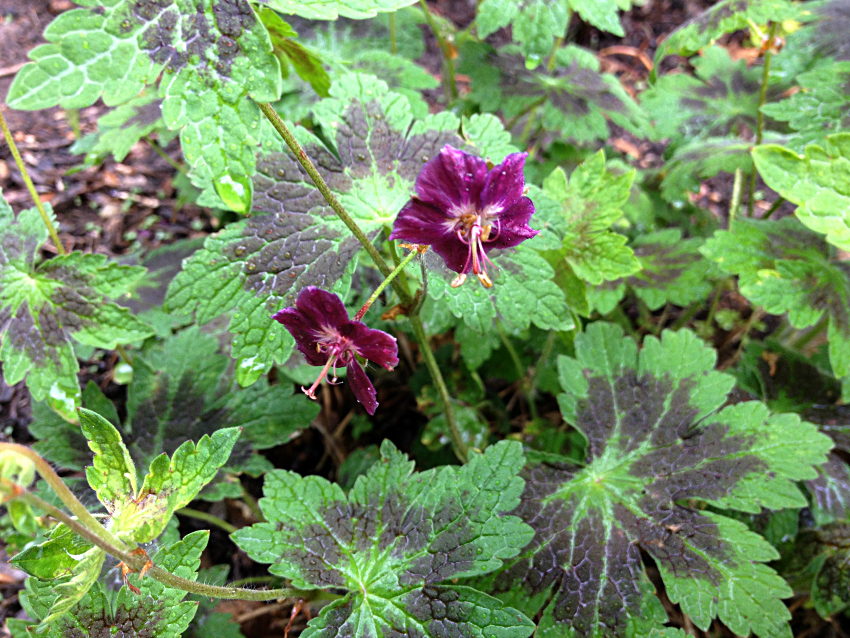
<point x="463" y="210"/>
<point x="327" y="337"/>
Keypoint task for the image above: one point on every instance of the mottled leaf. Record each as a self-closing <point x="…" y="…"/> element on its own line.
<point x="671" y="270"/>
<point x="821" y="107"/>
<point x="784" y="267"/>
<point x="43" y="307"/>
<point x="331" y="9"/>
<point x="208" y="56"/>
<point x="156" y="612"/>
<point x="573" y="98"/>
<point x="701" y="159"/>
<point x="395" y="542"/>
<point x="656" y="446"/>
<point x="121" y="128"/>
<point x="719" y="100"/>
<point x="817" y="181"/>
<point x="536" y="24"/>
<point x="721" y="18"/>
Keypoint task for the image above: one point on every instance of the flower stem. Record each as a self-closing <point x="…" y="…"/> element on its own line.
<point x="735" y="205"/>
<point x="161" y="152"/>
<point x="207" y="518"/>
<point x="65" y="495"/>
<point x="137" y="562"/>
<point x="252" y="504"/>
<point x="51" y="229"/>
<point x="449" y="84"/>
<point x="431" y="363"/>
<point x="385" y="283"/>
<point x="773" y="208"/>
<point x="522" y="373"/>
<point x="320" y="183"/>
<point x="765" y="77"/>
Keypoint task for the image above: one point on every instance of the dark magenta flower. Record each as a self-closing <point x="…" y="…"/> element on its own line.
<point x="463" y="210"/>
<point x="327" y="337"/>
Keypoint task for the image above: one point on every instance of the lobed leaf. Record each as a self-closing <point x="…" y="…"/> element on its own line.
<point x="395" y="542"/>
<point x="817" y="181"/>
<point x="672" y="270"/>
<point x="784" y="267"/>
<point x="43" y="307"/>
<point x="332" y="9"/>
<point x="656" y="446"/>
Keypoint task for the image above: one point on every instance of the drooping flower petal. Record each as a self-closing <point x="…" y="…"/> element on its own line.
<point x="375" y="345"/>
<point x="362" y="387"/>
<point x="322" y="307"/>
<point x="423" y="221"/>
<point x="514" y="228"/>
<point x="453" y="179"/>
<point x="505" y="183"/>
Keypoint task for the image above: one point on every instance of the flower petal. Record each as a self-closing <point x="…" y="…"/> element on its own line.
<point x="321" y="307"/>
<point x="505" y="183"/>
<point x="514" y="228"/>
<point x="303" y="329"/>
<point x="454" y="252"/>
<point x="452" y="180"/>
<point x="375" y="345"/>
<point x="362" y="387"/>
<point x="422" y="223"/>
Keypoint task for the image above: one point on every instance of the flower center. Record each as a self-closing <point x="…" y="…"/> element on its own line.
<point x="474" y="228"/>
<point x="340" y="352"/>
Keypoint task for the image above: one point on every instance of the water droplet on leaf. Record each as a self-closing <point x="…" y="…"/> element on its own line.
<point x="236" y="192"/>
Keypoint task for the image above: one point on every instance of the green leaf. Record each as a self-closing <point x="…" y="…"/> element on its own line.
<point x="724" y="17"/>
<point x="830" y="491"/>
<point x="209" y="56"/>
<point x="42" y="307"/>
<point x="820" y="108"/>
<point x="112" y="474"/>
<point x="784" y="267"/>
<point x="831" y="586"/>
<point x="395" y="541"/>
<point x="657" y="449"/>
<point x="69" y="592"/>
<point x="536" y="24"/>
<point x="157" y="612"/>
<point x="523" y="292"/>
<point x="721" y="99"/>
<point x="575" y="218"/>
<point x="574" y="98"/>
<point x="671" y="270"/>
<point x="54" y="558"/>
<point x="701" y="159"/>
<point x="259" y="265"/>
<point x="180" y="392"/>
<point x="817" y="181"/>
<point x="120" y="129"/>
<point x="332" y="9"/>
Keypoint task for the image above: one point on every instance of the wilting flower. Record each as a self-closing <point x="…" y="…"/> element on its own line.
<point x="327" y="337"/>
<point x="463" y="210"/>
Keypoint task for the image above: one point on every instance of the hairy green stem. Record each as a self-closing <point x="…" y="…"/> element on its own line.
<point x="330" y="198"/>
<point x="72" y="116"/>
<point x="207" y="518"/>
<point x="522" y="373"/>
<point x="687" y="315"/>
<point x="449" y="83"/>
<point x="393" y="45"/>
<point x="138" y="561"/>
<point x="65" y="495"/>
<point x="735" y="205"/>
<point x="123" y="354"/>
<point x="252" y="504"/>
<point x="714" y="303"/>
<point x="161" y="152"/>
<point x="774" y="207"/>
<point x="807" y="337"/>
<point x="765" y="77"/>
<point x="437" y="377"/>
<point x="51" y="229"/>
<point x="400" y="267"/>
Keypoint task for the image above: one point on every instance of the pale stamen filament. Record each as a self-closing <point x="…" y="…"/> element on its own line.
<point x="312" y="391"/>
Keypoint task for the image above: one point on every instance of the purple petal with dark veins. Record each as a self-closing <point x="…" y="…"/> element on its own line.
<point x="422" y="223"/>
<point x="505" y="183"/>
<point x="375" y="345"/>
<point x="362" y="387"/>
<point x="452" y="179"/>
<point x="322" y="308"/>
<point x="303" y="329"/>
<point x="514" y="228"/>
<point x="455" y="253"/>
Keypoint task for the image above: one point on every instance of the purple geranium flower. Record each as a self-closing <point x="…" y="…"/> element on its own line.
<point x="463" y="210"/>
<point x="327" y="337"/>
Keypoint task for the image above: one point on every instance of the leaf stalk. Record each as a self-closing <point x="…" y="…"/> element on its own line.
<point x="51" y="229"/>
